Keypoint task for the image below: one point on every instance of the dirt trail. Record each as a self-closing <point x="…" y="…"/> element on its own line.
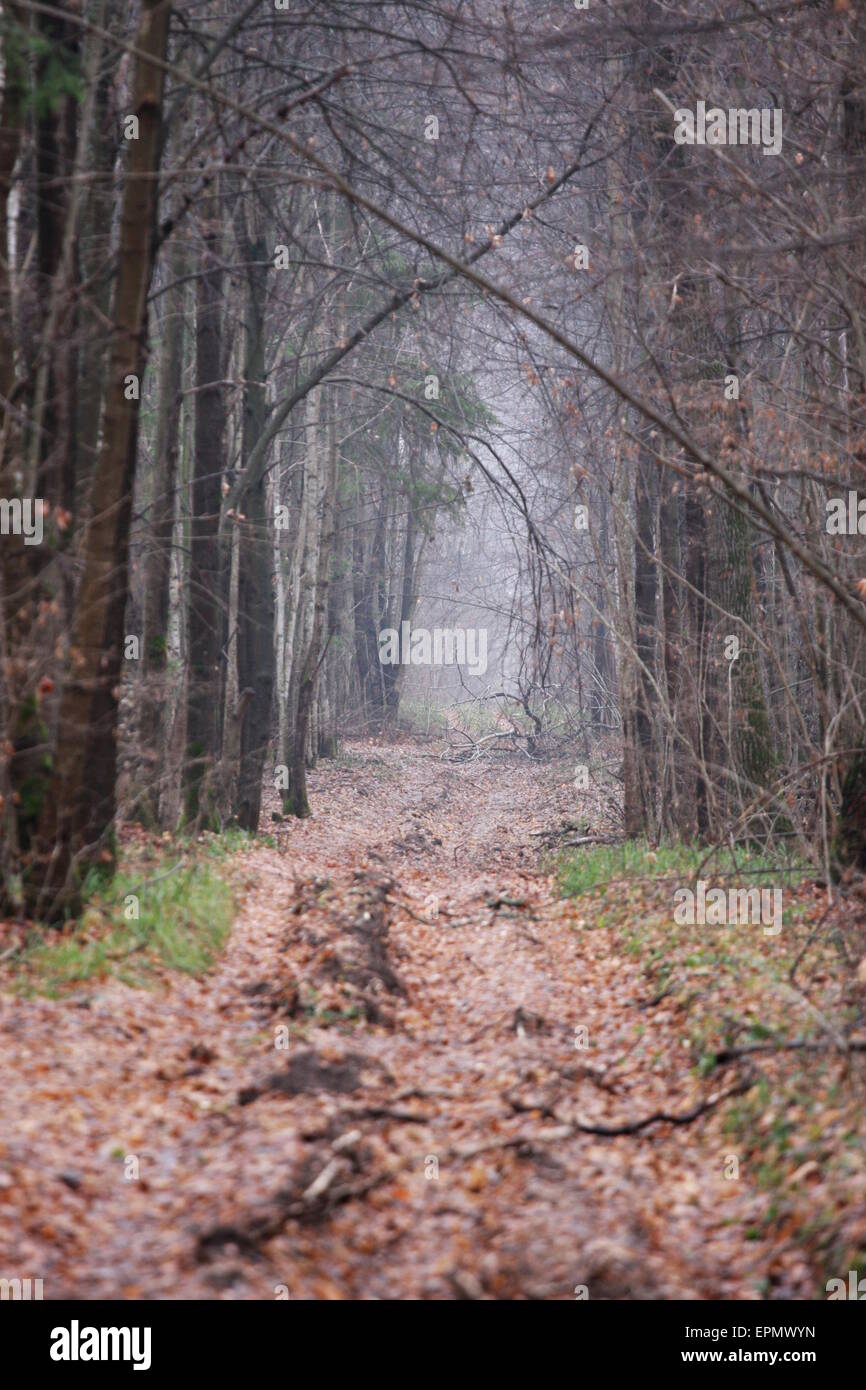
<point x="416" y="1137"/>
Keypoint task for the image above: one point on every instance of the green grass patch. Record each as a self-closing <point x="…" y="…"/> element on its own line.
<point x="477" y="719"/>
<point x="799" y="1131"/>
<point x="233" y="840"/>
<point x="162" y="909"/>
<point x="419" y="716"/>
<point x="582" y="870"/>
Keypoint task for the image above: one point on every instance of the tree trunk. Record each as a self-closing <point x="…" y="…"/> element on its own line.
<point x="297" y="802"/>
<point x="255" y="574"/>
<point x="157" y="567"/>
<point x="645" y="638"/>
<point x="209" y="571"/>
<point x="77" y="820"/>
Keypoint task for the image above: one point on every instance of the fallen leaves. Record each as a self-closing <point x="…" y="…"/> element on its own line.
<point x="430" y="1129"/>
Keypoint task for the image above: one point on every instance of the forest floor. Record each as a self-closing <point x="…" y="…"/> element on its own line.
<point x="387" y="1085"/>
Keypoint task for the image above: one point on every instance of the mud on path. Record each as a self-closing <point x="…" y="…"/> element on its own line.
<point x="420" y="1133"/>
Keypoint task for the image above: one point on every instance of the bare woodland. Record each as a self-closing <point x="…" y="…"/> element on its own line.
<point x="321" y="318"/>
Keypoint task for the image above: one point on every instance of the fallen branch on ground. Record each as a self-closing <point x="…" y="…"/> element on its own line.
<point x="730" y="1054"/>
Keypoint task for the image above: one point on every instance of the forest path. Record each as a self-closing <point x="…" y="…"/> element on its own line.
<point x="415" y="1138"/>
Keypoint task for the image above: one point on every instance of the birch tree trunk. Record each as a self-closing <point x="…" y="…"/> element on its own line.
<point x="157" y="567"/>
<point x="209" y="563"/>
<point x="255" y="583"/>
